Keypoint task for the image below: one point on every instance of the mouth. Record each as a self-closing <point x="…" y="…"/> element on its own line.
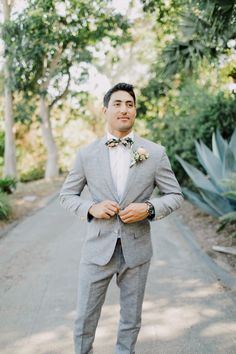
<point x="123" y="118"/>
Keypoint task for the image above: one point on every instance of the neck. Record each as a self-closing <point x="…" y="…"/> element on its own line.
<point x="119" y="134"/>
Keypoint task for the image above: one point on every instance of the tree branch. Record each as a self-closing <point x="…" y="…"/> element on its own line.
<point x="48" y="75"/>
<point x="63" y="94"/>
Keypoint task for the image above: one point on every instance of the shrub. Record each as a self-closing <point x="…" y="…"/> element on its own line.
<point x="229" y="220"/>
<point x="5" y="207"/>
<point x="189" y="113"/>
<point x="198" y="124"/>
<point x="32" y="175"/>
<point x="8" y="184"/>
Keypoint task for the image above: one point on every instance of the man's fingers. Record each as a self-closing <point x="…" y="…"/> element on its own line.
<point x="127" y="220"/>
<point x="111" y="212"/>
<point x="104" y="209"/>
<point x="113" y="206"/>
<point x="125" y="212"/>
<point x="126" y="215"/>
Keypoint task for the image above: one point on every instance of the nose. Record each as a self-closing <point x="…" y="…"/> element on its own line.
<point x="123" y="109"/>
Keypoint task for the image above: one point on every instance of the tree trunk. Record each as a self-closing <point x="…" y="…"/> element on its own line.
<point x="10" y="148"/>
<point x="48" y="139"/>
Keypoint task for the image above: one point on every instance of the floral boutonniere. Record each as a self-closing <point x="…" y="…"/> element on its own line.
<point x="139" y="155"/>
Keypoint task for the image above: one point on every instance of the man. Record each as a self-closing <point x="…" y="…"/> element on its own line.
<point x="121" y="171"/>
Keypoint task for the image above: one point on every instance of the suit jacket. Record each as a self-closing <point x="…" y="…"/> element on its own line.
<point x="92" y="168"/>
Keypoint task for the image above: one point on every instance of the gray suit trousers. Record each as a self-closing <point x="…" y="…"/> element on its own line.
<point x="93" y="284"/>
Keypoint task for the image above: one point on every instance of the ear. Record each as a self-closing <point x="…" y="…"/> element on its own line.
<point x="104" y="109"/>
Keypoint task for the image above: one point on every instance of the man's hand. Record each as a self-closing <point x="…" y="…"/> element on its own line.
<point x="134" y="212"/>
<point x="104" y="210"/>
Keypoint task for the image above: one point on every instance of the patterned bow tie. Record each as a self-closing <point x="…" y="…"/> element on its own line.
<point x="127" y="142"/>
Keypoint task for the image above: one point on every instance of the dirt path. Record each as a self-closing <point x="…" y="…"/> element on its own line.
<point x="189" y="305"/>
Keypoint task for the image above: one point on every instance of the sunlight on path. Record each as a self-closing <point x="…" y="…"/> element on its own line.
<point x="186" y="309"/>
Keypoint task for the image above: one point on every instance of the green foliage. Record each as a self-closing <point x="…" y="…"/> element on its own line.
<point x="229" y="220"/>
<point x="8" y="184"/>
<point x="164" y="10"/>
<point x="176" y="117"/>
<point x="232" y="73"/>
<point x="48" y="37"/>
<point x="204" y="28"/>
<point x="45" y="41"/>
<point x="32" y="175"/>
<point x="220" y="163"/>
<point x="24" y="110"/>
<point x="5" y="207"/>
<point x="183" y="56"/>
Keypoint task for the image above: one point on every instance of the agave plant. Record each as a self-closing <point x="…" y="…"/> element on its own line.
<point x="229" y="219"/>
<point x="219" y="164"/>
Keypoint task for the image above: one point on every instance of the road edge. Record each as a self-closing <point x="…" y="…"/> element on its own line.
<point x="46" y="201"/>
<point x="222" y="275"/>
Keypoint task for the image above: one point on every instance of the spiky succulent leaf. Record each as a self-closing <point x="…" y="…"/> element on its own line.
<point x="221" y="144"/>
<point x="211" y="163"/>
<point x="215" y="146"/>
<point x="199" y="202"/>
<point x="231" y="194"/>
<point x="220" y="165"/>
<point x="229" y="163"/>
<point x="198" y="178"/>
<point x="217" y="202"/>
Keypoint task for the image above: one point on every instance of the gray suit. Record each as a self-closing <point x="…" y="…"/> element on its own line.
<point x="102" y="255"/>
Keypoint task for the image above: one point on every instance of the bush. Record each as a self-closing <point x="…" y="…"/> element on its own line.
<point x="189" y="113"/>
<point x="5" y="207"/>
<point x="32" y="175"/>
<point x="229" y="220"/>
<point x="8" y="184"/>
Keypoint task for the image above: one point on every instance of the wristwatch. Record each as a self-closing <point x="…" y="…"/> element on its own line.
<point x="150" y="210"/>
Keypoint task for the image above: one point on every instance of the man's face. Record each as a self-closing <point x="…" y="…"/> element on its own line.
<point x="120" y="113"/>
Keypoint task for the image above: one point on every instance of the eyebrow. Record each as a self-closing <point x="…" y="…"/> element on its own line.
<point x="129" y="101"/>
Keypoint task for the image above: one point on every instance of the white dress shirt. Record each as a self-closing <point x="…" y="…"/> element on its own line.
<point x="120" y="158"/>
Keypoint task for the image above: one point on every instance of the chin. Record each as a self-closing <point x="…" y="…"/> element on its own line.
<point x="124" y="129"/>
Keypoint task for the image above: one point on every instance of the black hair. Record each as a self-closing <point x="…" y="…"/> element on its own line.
<point x="122" y="86"/>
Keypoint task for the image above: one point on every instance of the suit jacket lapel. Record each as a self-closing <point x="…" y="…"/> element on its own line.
<point x="104" y="165"/>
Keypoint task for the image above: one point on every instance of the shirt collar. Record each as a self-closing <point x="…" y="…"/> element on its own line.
<point x="130" y="135"/>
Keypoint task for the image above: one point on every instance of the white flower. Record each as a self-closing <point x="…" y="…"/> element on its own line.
<point x="139" y="155"/>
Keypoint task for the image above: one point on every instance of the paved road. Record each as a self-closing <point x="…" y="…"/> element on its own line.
<point x="187" y="308"/>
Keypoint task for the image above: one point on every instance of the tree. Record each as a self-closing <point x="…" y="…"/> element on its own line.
<point x="204" y="29"/>
<point x="9" y="147"/>
<point x="186" y="97"/>
<point x="45" y="41"/>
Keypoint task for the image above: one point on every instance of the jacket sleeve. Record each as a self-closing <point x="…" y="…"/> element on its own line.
<point x="72" y="188"/>
<point x="171" y="197"/>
